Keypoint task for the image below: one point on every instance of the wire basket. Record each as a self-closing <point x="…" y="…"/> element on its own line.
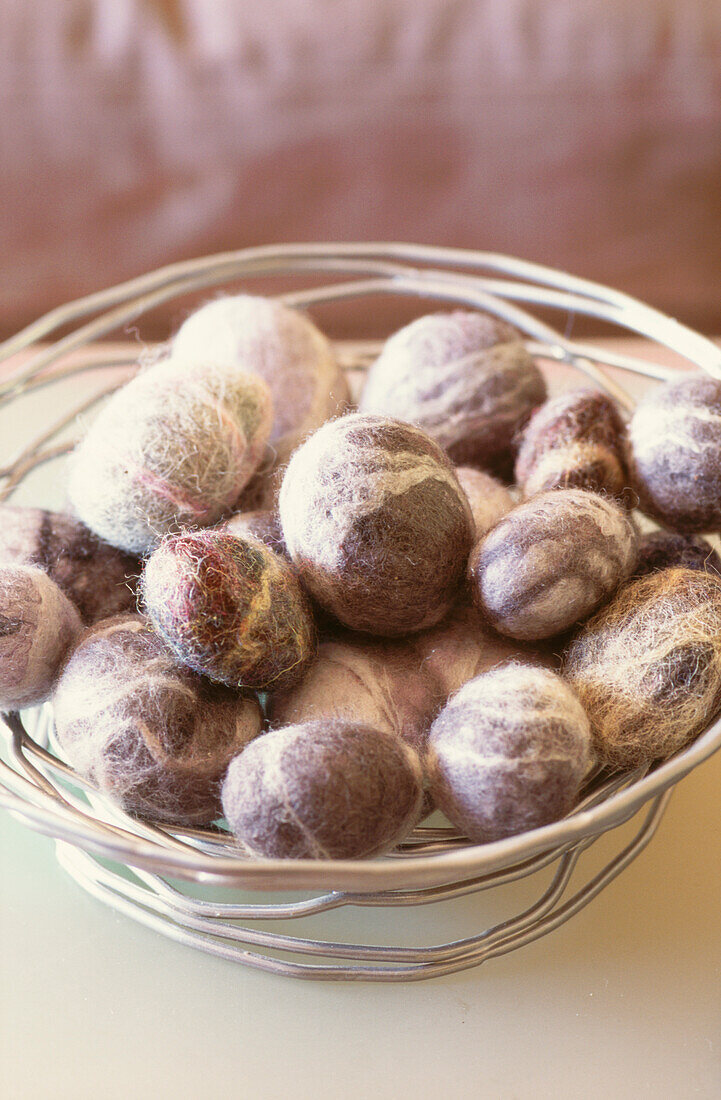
<point x="153" y="873"/>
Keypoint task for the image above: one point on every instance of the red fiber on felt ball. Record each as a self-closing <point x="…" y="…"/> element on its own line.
<point x="172" y="448"/>
<point x="464" y="377"/>
<point x="230" y="608"/>
<point x="151" y="734"/>
<point x="550" y="562"/>
<point x="323" y="790"/>
<point x="96" y="577"/>
<point x="574" y="441"/>
<point x="675" y="453"/>
<point x="508" y="752"/>
<point x="38" y="627"/>
<point x="376" y="524"/>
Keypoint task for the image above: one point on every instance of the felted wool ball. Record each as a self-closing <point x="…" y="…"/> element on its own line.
<point x="379" y="684"/>
<point x="675" y="453"/>
<point x="463" y="646"/>
<point x="260" y="524"/>
<point x="230" y="608"/>
<point x="488" y="498"/>
<point x="376" y="524"/>
<point x="149" y="733"/>
<point x="550" y="562"/>
<point x="323" y="790"/>
<point x="96" y="577"/>
<point x="647" y="667"/>
<point x="464" y="377"/>
<point x="286" y="350"/>
<point x="174" y="447"/>
<point x="508" y="753"/>
<point x="38" y="626"/>
<point x="574" y="441"/>
<point x="666" y="549"/>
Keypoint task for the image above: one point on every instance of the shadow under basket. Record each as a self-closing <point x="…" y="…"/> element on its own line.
<point x="184" y="883"/>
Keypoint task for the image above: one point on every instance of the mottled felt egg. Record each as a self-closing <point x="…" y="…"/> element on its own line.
<point x="550" y="562"/>
<point x="508" y="752"/>
<point x="376" y="524"/>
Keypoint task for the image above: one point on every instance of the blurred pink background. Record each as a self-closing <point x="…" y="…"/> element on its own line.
<point x="584" y="135"/>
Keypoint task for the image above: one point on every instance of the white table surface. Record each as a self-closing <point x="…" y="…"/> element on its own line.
<point x="622" y="1001"/>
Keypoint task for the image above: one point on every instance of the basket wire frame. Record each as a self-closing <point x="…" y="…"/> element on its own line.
<point x="148" y="871"/>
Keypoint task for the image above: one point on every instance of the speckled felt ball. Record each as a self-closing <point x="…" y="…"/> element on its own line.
<point x="96" y="577"/>
<point x="574" y="441"/>
<point x="380" y="684"/>
<point x="508" y="753"/>
<point x="647" y="667"/>
<point x="376" y="523"/>
<point x="174" y="447"/>
<point x="666" y="550"/>
<point x="463" y="646"/>
<point x="675" y="453"/>
<point x="149" y="733"/>
<point x="550" y="562"/>
<point x="38" y="627"/>
<point x="230" y="608"/>
<point x="286" y="350"/>
<point x="260" y="524"/>
<point x="464" y="377"/>
<point x="488" y="498"/>
<point x="323" y="790"/>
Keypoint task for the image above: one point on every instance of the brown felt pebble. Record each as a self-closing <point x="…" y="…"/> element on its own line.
<point x="376" y="523"/>
<point x="666" y="549"/>
<point x="488" y="498"/>
<point x="550" y="562"/>
<point x="260" y="524"/>
<point x="463" y="646"/>
<point x="284" y="348"/>
<point x="323" y="790"/>
<point x="230" y="608"/>
<point x="508" y="752"/>
<point x="380" y="684"/>
<point x="38" y="627"/>
<point x="151" y="734"/>
<point x="647" y="667"/>
<point x="675" y="453"/>
<point x="96" y="577"/>
<point x="574" y="441"/>
<point x="464" y="377"/>
<point x="173" y="447"/>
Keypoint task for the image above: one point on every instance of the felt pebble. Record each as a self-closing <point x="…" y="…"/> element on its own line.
<point x="675" y="453"/>
<point x="465" y="378"/>
<point x="284" y="348"/>
<point x="96" y="577"/>
<point x="329" y="789"/>
<point x="376" y="683"/>
<point x="508" y="752"/>
<point x="38" y="627"/>
<point x="647" y="667"/>
<point x="230" y="608"/>
<point x="550" y="562"/>
<point x="488" y="498"/>
<point x="376" y="523"/>
<point x="574" y="441"/>
<point x="172" y="448"/>
<point x="666" y="549"/>
<point x="152" y="735"/>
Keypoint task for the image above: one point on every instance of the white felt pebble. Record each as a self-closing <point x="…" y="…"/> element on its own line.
<point x="508" y="752"/>
<point x="284" y="348"/>
<point x="174" y="447"/>
<point x="38" y="627"/>
<point x="488" y="498"/>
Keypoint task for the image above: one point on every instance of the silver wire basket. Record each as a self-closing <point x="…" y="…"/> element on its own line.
<point x="155" y="874"/>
